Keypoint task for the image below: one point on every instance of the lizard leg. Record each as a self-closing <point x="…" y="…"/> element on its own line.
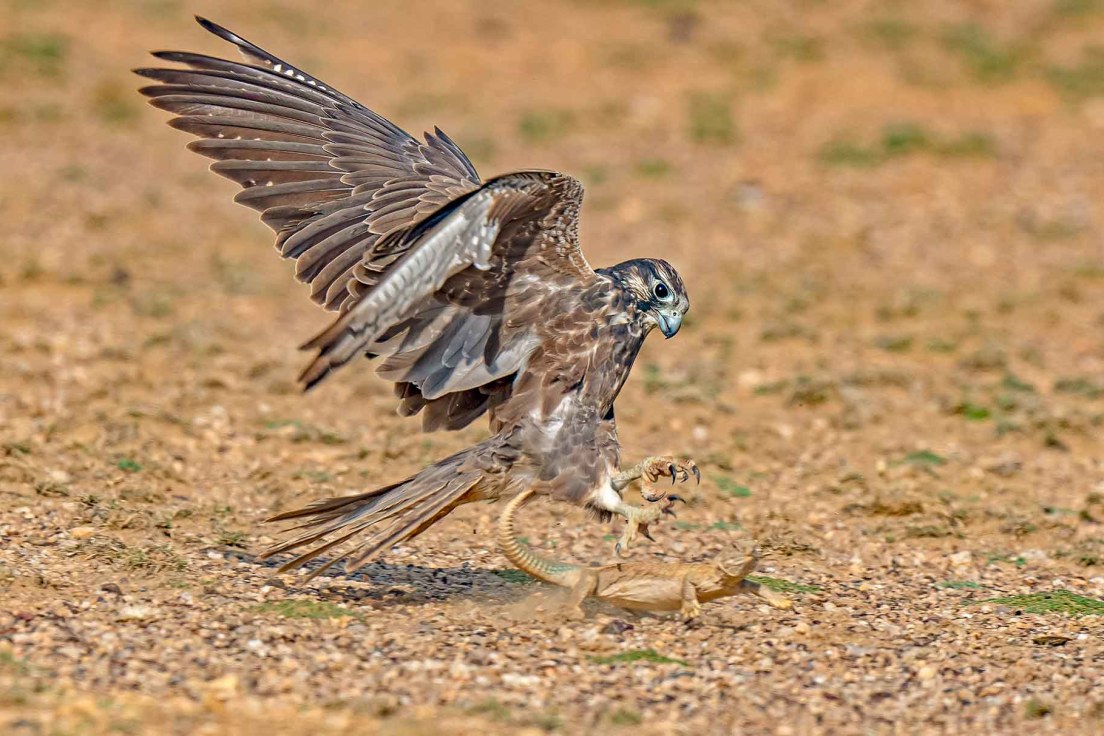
<point x="773" y="599"/>
<point x="651" y="469"/>
<point x="586" y="585"/>
<point x="637" y="519"/>
<point x="691" y="608"/>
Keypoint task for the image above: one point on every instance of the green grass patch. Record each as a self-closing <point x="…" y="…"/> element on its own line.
<point x="894" y="343"/>
<point x="302" y="432"/>
<point x="626" y="717"/>
<point x="511" y="575"/>
<point x="127" y="464"/>
<point x="891" y="33"/>
<point x="844" y="152"/>
<point x="42" y="53"/>
<point x="11" y="663"/>
<point x="1077" y="8"/>
<point x="113" y="104"/>
<point x="1035" y="708"/>
<point x="639" y="655"/>
<point x="653" y="168"/>
<point x="491" y="708"/>
<point x="899" y="139"/>
<point x="802" y="49"/>
<point x="729" y="487"/>
<point x="542" y="126"/>
<point x="306" y="609"/>
<point x="783" y="586"/>
<point x="995" y="557"/>
<point x="1011" y="382"/>
<point x="1057" y="601"/>
<point x="987" y="59"/>
<point x="1079" y="387"/>
<point x="973" y="412"/>
<point x="711" y="119"/>
<point x="233" y="539"/>
<point x="925" y="459"/>
<point x="960" y="585"/>
<point x="941" y="345"/>
<point x="1083" y="80"/>
<point x="902" y="139"/>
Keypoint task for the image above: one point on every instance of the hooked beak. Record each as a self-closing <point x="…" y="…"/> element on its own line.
<point x="669" y="323"/>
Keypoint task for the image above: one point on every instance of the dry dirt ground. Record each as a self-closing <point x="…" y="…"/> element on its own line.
<point x="889" y="219"/>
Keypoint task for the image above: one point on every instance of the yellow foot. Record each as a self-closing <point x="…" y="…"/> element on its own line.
<point x="775" y="600"/>
<point x="690" y="610"/>
<point x="655" y="469"/>
<point x="652" y="469"/>
<point x="573" y="613"/>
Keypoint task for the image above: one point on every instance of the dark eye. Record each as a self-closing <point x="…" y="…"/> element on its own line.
<point x="660" y="290"/>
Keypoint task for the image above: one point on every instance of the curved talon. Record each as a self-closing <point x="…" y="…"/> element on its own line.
<point x="643" y="531"/>
<point x="697" y="474"/>
<point x="673" y="471"/>
<point x="670" y="512"/>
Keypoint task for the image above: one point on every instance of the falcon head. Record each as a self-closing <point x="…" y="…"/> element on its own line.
<point x="660" y="295"/>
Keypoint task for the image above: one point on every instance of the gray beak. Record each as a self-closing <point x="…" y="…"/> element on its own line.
<point x="669" y="323"/>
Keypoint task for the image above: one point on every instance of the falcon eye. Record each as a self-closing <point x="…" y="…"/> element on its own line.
<point x="660" y="290"/>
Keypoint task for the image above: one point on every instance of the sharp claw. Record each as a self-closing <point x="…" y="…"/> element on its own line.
<point x="617" y="549"/>
<point x="675" y="497"/>
<point x="673" y="471"/>
<point x="697" y="474"/>
<point x="670" y="512"/>
<point x="643" y="531"/>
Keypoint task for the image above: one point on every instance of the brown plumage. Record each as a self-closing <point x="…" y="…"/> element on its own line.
<point x="473" y="296"/>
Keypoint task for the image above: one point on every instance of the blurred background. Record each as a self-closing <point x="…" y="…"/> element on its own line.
<point x="888" y="216"/>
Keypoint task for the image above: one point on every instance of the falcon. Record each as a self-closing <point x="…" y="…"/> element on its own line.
<point x="473" y="296"/>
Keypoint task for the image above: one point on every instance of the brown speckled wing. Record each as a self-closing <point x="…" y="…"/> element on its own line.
<point x="330" y="176"/>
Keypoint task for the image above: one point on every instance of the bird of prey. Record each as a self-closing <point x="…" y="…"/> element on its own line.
<point x="472" y="295"/>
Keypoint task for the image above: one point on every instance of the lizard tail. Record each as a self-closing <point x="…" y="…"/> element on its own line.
<point x="521" y="556"/>
<point x="387" y="515"/>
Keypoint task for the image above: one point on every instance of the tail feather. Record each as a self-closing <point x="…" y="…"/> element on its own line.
<point x="325" y="505"/>
<point x="410" y="507"/>
<point x="411" y="524"/>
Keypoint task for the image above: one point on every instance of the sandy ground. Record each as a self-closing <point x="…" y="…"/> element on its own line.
<point x="889" y="220"/>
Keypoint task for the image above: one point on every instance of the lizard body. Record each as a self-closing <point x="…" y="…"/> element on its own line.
<point x="649" y="586"/>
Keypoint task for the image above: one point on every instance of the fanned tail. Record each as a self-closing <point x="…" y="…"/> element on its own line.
<point x="385" y="516"/>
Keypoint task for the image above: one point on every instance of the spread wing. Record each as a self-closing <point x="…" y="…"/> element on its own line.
<point x="437" y="273"/>
<point x="328" y="175"/>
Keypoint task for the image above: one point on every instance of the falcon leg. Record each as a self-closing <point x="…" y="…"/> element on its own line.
<point x="638" y="518"/>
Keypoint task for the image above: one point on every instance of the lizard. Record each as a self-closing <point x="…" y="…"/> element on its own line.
<point x="649" y="586"/>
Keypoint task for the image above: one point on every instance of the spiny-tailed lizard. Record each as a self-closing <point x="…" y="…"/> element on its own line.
<point x="649" y="586"/>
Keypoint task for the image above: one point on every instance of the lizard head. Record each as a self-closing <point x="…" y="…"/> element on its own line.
<point x="734" y="570"/>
